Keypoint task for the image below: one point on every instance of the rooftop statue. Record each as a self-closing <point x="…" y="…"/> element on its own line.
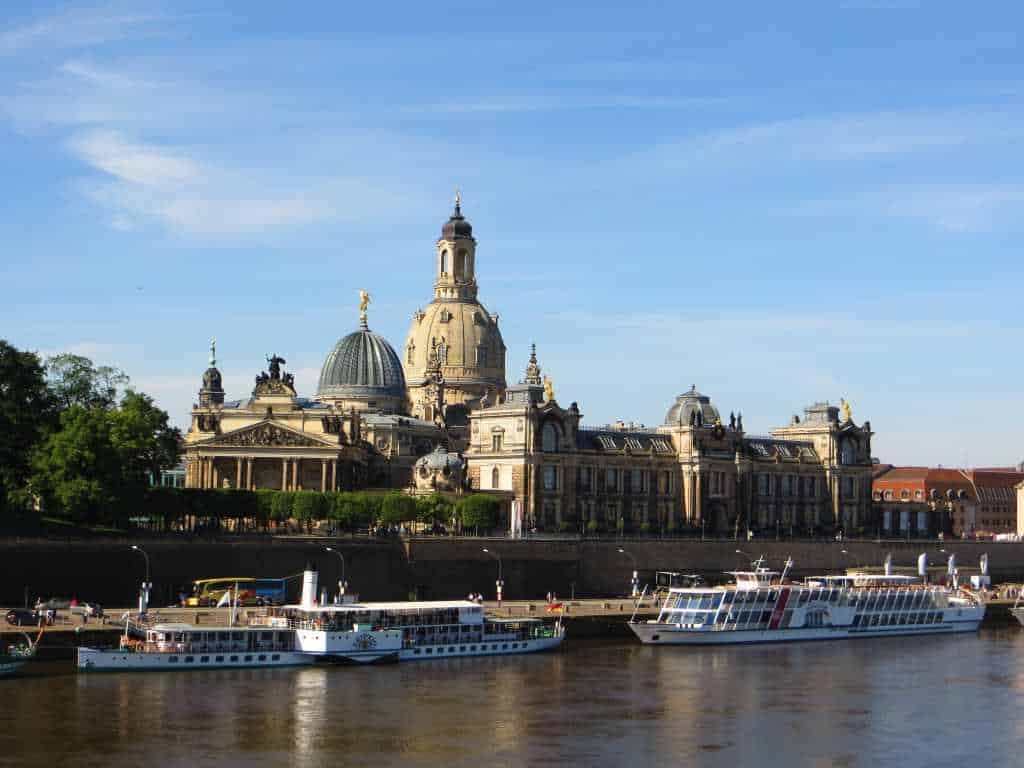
<point x="364" y="302"/>
<point x="274" y="367"/>
<point x="549" y="389"/>
<point x="846" y="409"/>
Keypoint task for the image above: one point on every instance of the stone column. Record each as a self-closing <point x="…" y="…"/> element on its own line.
<point x="295" y="474"/>
<point x="334" y="474"/>
<point x="238" y="472"/>
<point x="248" y="473"/>
<point x="323" y="475"/>
<point x="284" y="474"/>
<point x="698" y="502"/>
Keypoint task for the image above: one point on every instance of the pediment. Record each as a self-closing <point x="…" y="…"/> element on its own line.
<point x="267" y="434"/>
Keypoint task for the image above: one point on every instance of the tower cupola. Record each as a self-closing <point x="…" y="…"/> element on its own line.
<point x="456" y="258"/>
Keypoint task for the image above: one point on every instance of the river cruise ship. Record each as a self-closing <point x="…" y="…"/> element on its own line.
<point x="411" y="630"/>
<point x="761" y="607"/>
<point x="187" y="646"/>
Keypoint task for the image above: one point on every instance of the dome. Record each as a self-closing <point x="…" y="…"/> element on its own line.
<point x="456" y="227"/>
<point x="361" y="365"/>
<point x="440" y="459"/>
<point x="688" y="405"/>
<point x="468" y="345"/>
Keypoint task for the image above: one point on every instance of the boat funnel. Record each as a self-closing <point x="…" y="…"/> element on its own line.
<point x="888" y="564"/>
<point x="309" y="584"/>
<point x="984" y="564"/>
<point x="951" y="564"/>
<point x="922" y="565"/>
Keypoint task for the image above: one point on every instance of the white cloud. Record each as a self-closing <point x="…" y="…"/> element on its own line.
<point x="832" y="138"/>
<point x="136" y="163"/>
<point x="78" y="28"/>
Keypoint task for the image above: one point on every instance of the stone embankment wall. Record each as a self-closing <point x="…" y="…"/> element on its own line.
<point x="109" y="571"/>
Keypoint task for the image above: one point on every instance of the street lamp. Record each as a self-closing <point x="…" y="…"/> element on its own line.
<point x="342" y="584"/>
<point x="636" y="580"/>
<point x="500" y="583"/>
<point x="146" y="584"/>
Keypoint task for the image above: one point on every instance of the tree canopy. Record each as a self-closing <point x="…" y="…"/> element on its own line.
<point x="74" y="380"/>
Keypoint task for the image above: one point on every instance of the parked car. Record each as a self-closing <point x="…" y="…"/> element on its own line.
<point x="21" y="617"/>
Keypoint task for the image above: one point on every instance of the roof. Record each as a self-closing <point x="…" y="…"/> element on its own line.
<point x="607" y="440"/>
<point x="362" y="364"/>
<point x="772" y="448"/>
<point x="691" y="404"/>
<point x="405" y="605"/>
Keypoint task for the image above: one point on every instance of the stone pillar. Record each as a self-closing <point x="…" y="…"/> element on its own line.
<point x="698" y="501"/>
<point x="284" y="474"/>
<point x="334" y="474"/>
<point x="248" y="473"/>
<point x="238" y="472"/>
<point x="295" y="474"/>
<point x="323" y="475"/>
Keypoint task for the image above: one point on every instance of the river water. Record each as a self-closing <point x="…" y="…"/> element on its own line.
<point x="939" y="701"/>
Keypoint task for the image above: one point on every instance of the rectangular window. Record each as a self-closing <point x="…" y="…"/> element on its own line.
<point x="550" y="478"/>
<point x="611" y="478"/>
<point x="763" y="485"/>
<point x="636" y="482"/>
<point x="585" y="478"/>
<point x="496" y="443"/>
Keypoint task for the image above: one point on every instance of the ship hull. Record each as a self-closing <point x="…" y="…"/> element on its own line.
<point x="104" y="660"/>
<point x="671" y="634"/>
<point x="490" y="648"/>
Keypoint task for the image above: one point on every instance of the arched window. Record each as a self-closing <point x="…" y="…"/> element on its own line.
<point x="410" y="353"/>
<point x="495" y="478"/>
<point x="444" y="262"/>
<point x="460" y="264"/>
<point x="549" y="438"/>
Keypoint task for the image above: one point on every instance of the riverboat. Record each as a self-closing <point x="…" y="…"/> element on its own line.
<point x="412" y="630"/>
<point x="14" y="657"/>
<point x="762" y="607"/>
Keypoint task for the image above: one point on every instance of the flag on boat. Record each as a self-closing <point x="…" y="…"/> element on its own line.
<point x="555" y="608"/>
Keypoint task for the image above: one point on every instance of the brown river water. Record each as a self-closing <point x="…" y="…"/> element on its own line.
<point x="940" y="701"/>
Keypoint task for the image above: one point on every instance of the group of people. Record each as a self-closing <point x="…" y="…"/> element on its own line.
<point x="475" y="597"/>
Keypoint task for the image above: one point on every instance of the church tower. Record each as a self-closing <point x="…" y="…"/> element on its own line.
<point x="454" y="331"/>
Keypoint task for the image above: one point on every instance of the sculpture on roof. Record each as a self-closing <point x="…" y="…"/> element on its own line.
<point x="549" y="389"/>
<point x="274" y="366"/>
<point x="846" y="409"/>
<point x="364" y="302"/>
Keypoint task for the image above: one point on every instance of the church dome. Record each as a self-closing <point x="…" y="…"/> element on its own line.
<point x="362" y="366"/>
<point x="466" y="340"/>
<point x="691" y="405"/>
<point x="457" y="227"/>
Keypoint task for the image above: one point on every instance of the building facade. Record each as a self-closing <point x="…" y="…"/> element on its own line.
<point x="694" y="471"/>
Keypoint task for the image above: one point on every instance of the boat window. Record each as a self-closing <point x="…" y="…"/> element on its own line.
<point x="727" y="598"/>
<point x="262" y="657"/>
<point x="451" y="649"/>
<point x="220" y="659"/>
<point x="705" y="602"/>
<point x="248" y="658"/>
<point x="234" y="658"/>
<point x="766" y="617"/>
<point x="833" y="596"/>
<point x="189" y="659"/>
<point x="803" y="597"/>
<point x="275" y="657"/>
<point x="172" y="659"/>
<point x="204" y="659"/>
<point x="773" y="596"/>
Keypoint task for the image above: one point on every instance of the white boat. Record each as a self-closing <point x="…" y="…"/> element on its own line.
<point x="411" y="630"/>
<point x="188" y="646"/>
<point x="761" y="607"/>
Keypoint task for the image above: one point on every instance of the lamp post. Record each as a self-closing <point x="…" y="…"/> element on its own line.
<point x="636" y="579"/>
<point x="342" y="584"/>
<point x="499" y="584"/>
<point x="146" y="584"/>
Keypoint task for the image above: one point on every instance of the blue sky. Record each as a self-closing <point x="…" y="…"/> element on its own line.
<point x="779" y="204"/>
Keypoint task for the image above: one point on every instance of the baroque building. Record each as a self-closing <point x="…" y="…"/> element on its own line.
<point x="695" y="470"/>
<point x="454" y="338"/>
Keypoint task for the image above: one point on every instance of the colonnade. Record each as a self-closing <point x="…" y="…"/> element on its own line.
<point x="238" y="472"/>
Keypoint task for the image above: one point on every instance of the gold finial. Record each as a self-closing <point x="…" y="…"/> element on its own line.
<point x="364" y="302"/>
<point x="549" y="389"/>
<point x="846" y="409"/>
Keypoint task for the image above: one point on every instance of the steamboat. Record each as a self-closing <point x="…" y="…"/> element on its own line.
<point x="406" y="631"/>
<point x="760" y="606"/>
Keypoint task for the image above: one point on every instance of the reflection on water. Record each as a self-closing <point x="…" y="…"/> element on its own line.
<point x="906" y="702"/>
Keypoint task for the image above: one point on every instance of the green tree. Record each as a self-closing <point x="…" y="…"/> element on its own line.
<point x="308" y="507"/>
<point x="281" y="506"/>
<point x="74" y="380"/>
<point x="433" y="508"/>
<point x="478" y="511"/>
<point x="77" y="470"/>
<point x="397" y="508"/>
<point x="264" y="506"/>
<point x="143" y="437"/>
<point x="27" y="414"/>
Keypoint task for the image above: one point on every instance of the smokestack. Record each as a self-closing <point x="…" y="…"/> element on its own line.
<point x="922" y="565"/>
<point x="984" y="564"/>
<point x="309" y="584"/>
<point x="888" y="564"/>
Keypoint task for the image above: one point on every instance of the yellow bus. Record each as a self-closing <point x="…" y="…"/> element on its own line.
<point x="251" y="591"/>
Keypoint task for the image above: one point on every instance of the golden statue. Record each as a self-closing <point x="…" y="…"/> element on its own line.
<point x="364" y="302"/>
<point x="846" y="409"/>
<point x="549" y="389"/>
